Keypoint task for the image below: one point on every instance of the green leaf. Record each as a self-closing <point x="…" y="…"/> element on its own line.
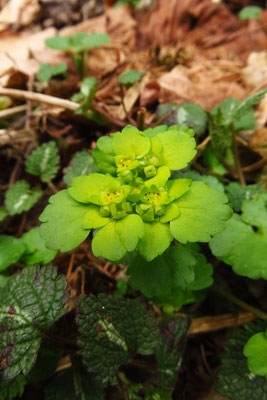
<point x="82" y="163"/>
<point x="187" y="113"/>
<point x="133" y="3"/>
<point x="103" y="155"/>
<point x="178" y="148"/>
<point x="5" y="102"/>
<point x="237" y="193"/>
<point x="239" y="245"/>
<point x="211" y="180"/>
<point x="35" y="250"/>
<point x="88" y="91"/>
<point x="74" y="385"/>
<point x="3" y="213"/>
<point x="107" y="243"/>
<point x="168" y="354"/>
<point x="211" y="160"/>
<point x="130" y="229"/>
<point x="250" y="12"/>
<point x="156" y="240"/>
<point x="94" y="188"/>
<point x="93" y="218"/>
<point x="203" y="213"/>
<point x="83" y="41"/>
<point x="62" y="227"/>
<point x="4" y="278"/>
<point x="112" y="330"/>
<point x="44" y="161"/>
<point x="11" y="390"/>
<point x="59" y="43"/>
<point x="229" y="117"/>
<point x="30" y="303"/>
<point x="48" y="71"/>
<point x="11" y="250"/>
<point x="130" y="76"/>
<point x="130" y="142"/>
<point x="179" y="269"/>
<point x="256" y="351"/>
<point x="234" y="379"/>
<point x="21" y="197"/>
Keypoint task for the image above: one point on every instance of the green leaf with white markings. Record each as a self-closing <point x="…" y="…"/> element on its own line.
<point x="82" y="163"/>
<point x="21" y="197"/>
<point x="29" y="305"/>
<point x="112" y="329"/>
<point x="44" y="161"/>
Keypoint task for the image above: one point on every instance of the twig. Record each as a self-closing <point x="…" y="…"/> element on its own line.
<point x="141" y="116"/>
<point x="40" y="98"/>
<point x="211" y="324"/>
<point x="202" y="145"/>
<point x="12" y="111"/>
<point x="242" y="304"/>
<point x="255" y="166"/>
<point x="237" y="163"/>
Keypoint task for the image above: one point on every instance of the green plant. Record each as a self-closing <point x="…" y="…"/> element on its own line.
<point x="139" y="207"/>
<point x="77" y="46"/>
<point x="133" y="3"/>
<point x="249" y="12"/>
<point x="48" y="71"/>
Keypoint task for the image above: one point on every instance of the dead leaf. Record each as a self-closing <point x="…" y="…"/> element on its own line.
<point x="258" y="142"/>
<point x="19" y="12"/>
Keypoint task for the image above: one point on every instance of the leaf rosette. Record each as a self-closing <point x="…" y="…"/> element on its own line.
<point x="138" y="208"/>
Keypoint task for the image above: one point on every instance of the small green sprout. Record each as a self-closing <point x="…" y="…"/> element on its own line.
<point x="250" y="12"/>
<point x="48" y="71"/>
<point x="132" y="203"/>
<point x="130" y="76"/>
<point x="78" y="45"/>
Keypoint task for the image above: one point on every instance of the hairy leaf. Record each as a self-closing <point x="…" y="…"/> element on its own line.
<point x="112" y="329"/>
<point x="44" y="161"/>
<point x="237" y="193"/>
<point x="13" y="389"/>
<point x="82" y="163"/>
<point x="168" y="354"/>
<point x="29" y="304"/>
<point x="234" y="379"/>
<point x="74" y="385"/>
<point x="11" y="249"/>
<point x="21" y="197"/>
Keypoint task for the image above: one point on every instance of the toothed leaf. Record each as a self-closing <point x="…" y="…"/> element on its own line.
<point x="30" y="303"/>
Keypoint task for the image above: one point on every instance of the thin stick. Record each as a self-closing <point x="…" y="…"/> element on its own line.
<point x="141" y="116"/>
<point x="40" y="98"/>
<point x="202" y="145"/>
<point x="211" y="324"/>
<point x="255" y="166"/>
<point x="12" y="111"/>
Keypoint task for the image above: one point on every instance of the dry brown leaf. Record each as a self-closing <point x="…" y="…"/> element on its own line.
<point x="200" y="83"/>
<point x="19" y="12"/>
<point x="130" y="99"/>
<point x="258" y="142"/>
<point x="121" y="26"/>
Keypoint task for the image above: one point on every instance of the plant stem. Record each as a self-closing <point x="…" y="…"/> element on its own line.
<point x="141" y="115"/>
<point x="232" y="298"/>
<point x="237" y="163"/>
